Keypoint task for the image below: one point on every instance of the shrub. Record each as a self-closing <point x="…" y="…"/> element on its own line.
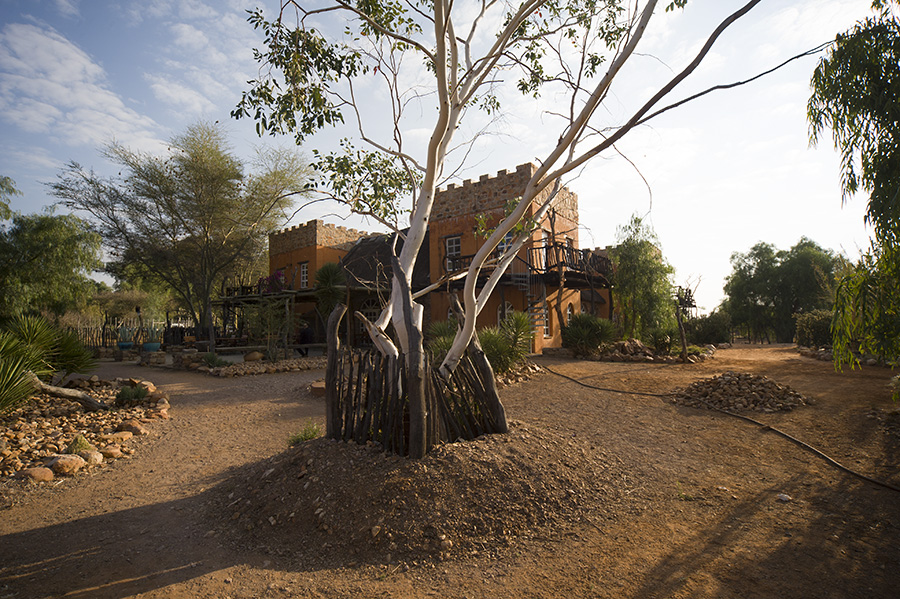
<point x="662" y="340"/>
<point x="213" y="361"/>
<point x="31" y="345"/>
<point x="311" y="430"/>
<point x="585" y="334"/>
<point x="504" y="346"/>
<point x="813" y="328"/>
<point x="129" y="394"/>
<point x="709" y="329"/>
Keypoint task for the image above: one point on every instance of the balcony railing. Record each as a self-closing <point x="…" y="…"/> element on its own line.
<point x="540" y="259"/>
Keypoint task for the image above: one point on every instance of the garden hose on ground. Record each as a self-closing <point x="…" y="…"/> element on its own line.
<point x="762" y="425"/>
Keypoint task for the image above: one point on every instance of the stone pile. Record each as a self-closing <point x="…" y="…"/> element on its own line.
<point x="188" y="359"/>
<point x="738" y="392"/>
<point x="633" y="350"/>
<point x="52" y="436"/>
<point x="261" y="367"/>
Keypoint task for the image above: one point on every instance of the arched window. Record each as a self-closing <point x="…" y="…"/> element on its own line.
<point x="546" y="319"/>
<point x="570" y="312"/>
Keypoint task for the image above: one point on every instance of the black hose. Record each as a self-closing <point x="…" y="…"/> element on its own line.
<point x="762" y="425"/>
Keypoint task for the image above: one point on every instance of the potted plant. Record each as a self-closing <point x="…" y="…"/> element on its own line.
<point x="126" y="338"/>
<point x="154" y="338"/>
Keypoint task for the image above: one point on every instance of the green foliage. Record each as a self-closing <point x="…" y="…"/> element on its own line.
<point x="767" y="287"/>
<point x="188" y="219"/>
<point x="855" y="87"/>
<point x="129" y="394"/>
<point x="662" y="340"/>
<point x="45" y="263"/>
<point x="311" y="430"/>
<point x="814" y="328"/>
<point x="505" y="346"/>
<point x="330" y="287"/>
<point x="642" y="280"/>
<point x="211" y="360"/>
<point x="585" y="334"/>
<point x="867" y="308"/>
<point x="31" y="344"/>
<point x="7" y="191"/>
<point x="712" y="328"/>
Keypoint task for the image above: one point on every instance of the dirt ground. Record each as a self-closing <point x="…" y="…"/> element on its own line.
<point x="592" y="494"/>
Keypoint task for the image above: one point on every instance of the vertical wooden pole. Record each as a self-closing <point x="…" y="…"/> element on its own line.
<point x="333" y="344"/>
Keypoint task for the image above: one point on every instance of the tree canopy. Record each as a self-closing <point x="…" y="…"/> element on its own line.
<point x="642" y="281"/>
<point x="45" y="264"/>
<point x="7" y="191"/>
<point x="189" y="218"/>
<point x="324" y="62"/>
<point x="767" y="287"/>
<point x="854" y="94"/>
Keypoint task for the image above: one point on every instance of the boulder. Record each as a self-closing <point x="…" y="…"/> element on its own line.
<point x="318" y="388"/>
<point x="132" y="426"/>
<point x="111" y="452"/>
<point x="254" y="356"/>
<point x="38" y="475"/>
<point x="91" y="458"/>
<point x="66" y="464"/>
<point x="79" y="444"/>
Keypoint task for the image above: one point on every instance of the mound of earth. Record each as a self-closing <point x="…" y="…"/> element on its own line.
<point x="353" y="504"/>
<point x="737" y="392"/>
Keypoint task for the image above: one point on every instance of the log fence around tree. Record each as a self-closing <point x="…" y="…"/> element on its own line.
<point x="367" y="399"/>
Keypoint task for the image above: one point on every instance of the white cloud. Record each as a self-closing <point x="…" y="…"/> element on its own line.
<point x="67" y="8"/>
<point x="179" y="96"/>
<point x="49" y="85"/>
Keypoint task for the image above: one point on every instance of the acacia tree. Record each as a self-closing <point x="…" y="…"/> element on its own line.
<point x="855" y="90"/>
<point x="189" y="218"/>
<point x="642" y="280"/>
<point x="311" y="80"/>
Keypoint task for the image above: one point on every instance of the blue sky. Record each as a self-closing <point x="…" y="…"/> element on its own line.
<point x="728" y="171"/>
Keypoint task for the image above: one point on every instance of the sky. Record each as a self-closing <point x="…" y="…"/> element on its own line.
<point x="712" y="178"/>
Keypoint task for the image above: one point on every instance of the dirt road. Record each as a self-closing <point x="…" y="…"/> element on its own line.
<point x="692" y="508"/>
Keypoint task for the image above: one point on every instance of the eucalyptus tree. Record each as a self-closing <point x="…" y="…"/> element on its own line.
<point x="325" y="62"/>
<point x="188" y="218"/>
<point x="854" y="93"/>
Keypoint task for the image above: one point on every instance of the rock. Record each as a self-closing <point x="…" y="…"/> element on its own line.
<point x="318" y="388"/>
<point x="111" y="452"/>
<point x="38" y="474"/>
<point x="91" y="458"/>
<point x="132" y="426"/>
<point x="253" y="356"/>
<point x="79" y="444"/>
<point x="783" y="497"/>
<point x="66" y="464"/>
<point x="119" y="437"/>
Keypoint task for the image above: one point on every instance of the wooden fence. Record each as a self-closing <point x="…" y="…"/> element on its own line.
<point x="372" y="404"/>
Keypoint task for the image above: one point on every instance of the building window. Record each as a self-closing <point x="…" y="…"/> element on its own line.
<point x="304" y="275"/>
<point x="452" y="250"/>
<point x="371" y="310"/>
<point x="546" y="319"/>
<point x="505" y="243"/>
<point x="503" y="311"/>
<point x="570" y="312"/>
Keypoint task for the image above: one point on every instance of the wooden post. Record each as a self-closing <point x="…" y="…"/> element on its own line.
<point x="332" y="407"/>
<point x="480" y="361"/>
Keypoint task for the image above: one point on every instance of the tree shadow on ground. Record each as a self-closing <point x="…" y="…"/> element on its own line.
<point x="763" y="548"/>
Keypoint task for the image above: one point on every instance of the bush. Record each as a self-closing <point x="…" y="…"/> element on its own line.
<point x="662" y="340"/>
<point x="585" y="334"/>
<point x="813" y="328"/>
<point x="213" y="361"/>
<point x="33" y="345"/>
<point x="310" y="431"/>
<point x="504" y="346"/>
<point x="710" y="329"/>
<point x="129" y="394"/>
